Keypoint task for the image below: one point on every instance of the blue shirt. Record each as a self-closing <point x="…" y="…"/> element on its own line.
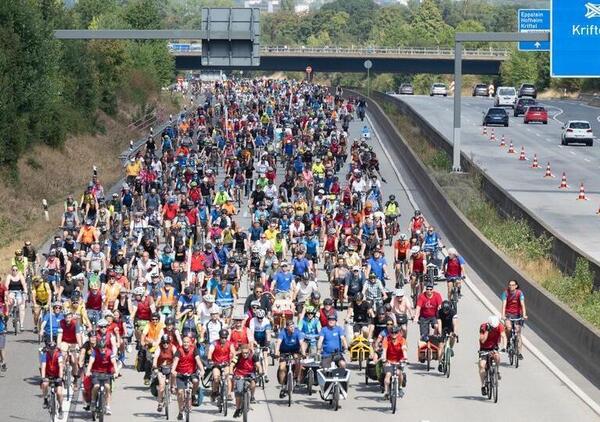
<point x="332" y="339"/>
<point x="300" y="266"/>
<point x="377" y="266"/>
<point x="310" y="328"/>
<point x="284" y="281"/>
<point x="188" y="303"/>
<point x="312" y="245"/>
<point x="52" y="321"/>
<point x="290" y="343"/>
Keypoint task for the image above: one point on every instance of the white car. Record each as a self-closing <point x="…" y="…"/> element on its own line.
<point x="438" y="89"/>
<point x="577" y="132"/>
<point x="506" y="96"/>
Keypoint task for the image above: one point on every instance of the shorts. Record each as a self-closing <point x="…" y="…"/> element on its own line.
<point x="387" y="368"/>
<point x="16" y="295"/>
<point x="335" y="358"/>
<point x="181" y="380"/>
<point x="2" y="341"/>
<point x="238" y="386"/>
<point x="227" y="311"/>
<point x="98" y="377"/>
<point x="261" y="340"/>
<point x="58" y="382"/>
<point x="515" y="316"/>
<point x="424" y="324"/>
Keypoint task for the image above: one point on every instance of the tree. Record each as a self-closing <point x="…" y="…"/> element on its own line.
<point x="472" y="26"/>
<point x="288" y="5"/>
<point x="390" y="30"/>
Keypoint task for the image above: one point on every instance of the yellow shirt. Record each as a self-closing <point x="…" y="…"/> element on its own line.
<point x="133" y="169"/>
<point x="42" y="293"/>
<point x="270" y="234"/>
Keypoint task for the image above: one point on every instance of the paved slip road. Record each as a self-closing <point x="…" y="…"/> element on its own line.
<point x="574" y="220"/>
<point x="530" y="393"/>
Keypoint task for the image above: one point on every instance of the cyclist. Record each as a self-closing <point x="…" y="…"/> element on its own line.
<point x="377" y="265"/>
<point x="149" y="341"/>
<point x="401" y="255"/>
<point x="454" y="270"/>
<point x="52" y="367"/>
<point x="260" y="331"/>
<point x="332" y="344"/>
<point x="402" y="310"/>
<point x="428" y="304"/>
<point x="220" y="355"/>
<point x="70" y="340"/>
<point x="3" y="319"/>
<point x="162" y="366"/>
<point x="40" y="298"/>
<point x="394" y="352"/>
<point x="187" y="363"/>
<point x="416" y="268"/>
<point x="490" y="336"/>
<point x="245" y="364"/>
<point x="310" y="327"/>
<point x="290" y="341"/>
<point x="513" y="307"/>
<point x="102" y="365"/>
<point x="448" y="327"/>
<point x="432" y="243"/>
<point x="417" y="223"/>
<point x="16" y="290"/>
<point x="374" y="292"/>
<point x="51" y="321"/>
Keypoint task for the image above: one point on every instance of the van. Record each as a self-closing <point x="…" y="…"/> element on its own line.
<point x="506" y="96"/>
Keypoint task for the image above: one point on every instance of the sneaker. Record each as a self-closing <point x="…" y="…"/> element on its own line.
<point x="441" y="367"/>
<point x="180" y="417"/>
<point x="401" y="393"/>
<point x="281" y="393"/>
<point x="386" y="396"/>
<point x="129" y="348"/>
<point x="60" y="414"/>
<point x="484" y="391"/>
<point x="520" y="356"/>
<point x="499" y="376"/>
<point x="146" y="382"/>
<point x="252" y="400"/>
<point x="195" y="402"/>
<point x="266" y="378"/>
<point x="86" y="407"/>
<point x="237" y="413"/>
<point x="107" y="411"/>
<point x="159" y="408"/>
<point x="46" y="404"/>
<point x="3" y="367"/>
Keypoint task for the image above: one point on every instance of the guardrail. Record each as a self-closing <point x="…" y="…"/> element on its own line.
<point x="196" y="48"/>
<point x="574" y="339"/>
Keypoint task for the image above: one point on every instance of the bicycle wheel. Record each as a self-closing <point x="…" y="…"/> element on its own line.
<point x="245" y="405"/>
<point x="360" y="360"/>
<point x="52" y="408"/>
<point x="495" y="385"/>
<point x="167" y="399"/>
<point x="310" y="381"/>
<point x="428" y="359"/>
<point x="511" y="354"/>
<point x="447" y="362"/>
<point x="68" y="374"/>
<point x="225" y="396"/>
<point x="100" y="406"/>
<point x="516" y="351"/>
<point x="394" y="393"/>
<point x="335" y="402"/>
<point x="489" y="383"/>
<point x="290" y="388"/>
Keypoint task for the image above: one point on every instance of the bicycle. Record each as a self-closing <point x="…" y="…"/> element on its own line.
<point x="514" y="342"/>
<point x="491" y="374"/>
<point x="223" y="390"/>
<point x="52" y="400"/>
<point x="15" y="314"/>
<point x="166" y="399"/>
<point x="100" y="405"/>
<point x="289" y="383"/>
<point x="447" y="354"/>
<point x="187" y="395"/>
<point x="454" y="296"/>
<point x="396" y="390"/>
<point x="245" y="402"/>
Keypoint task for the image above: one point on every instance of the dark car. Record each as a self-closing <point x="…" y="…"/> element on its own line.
<point x="527" y="90"/>
<point x="496" y="116"/>
<point x="480" y="90"/>
<point x="406" y="89"/>
<point x="522" y="104"/>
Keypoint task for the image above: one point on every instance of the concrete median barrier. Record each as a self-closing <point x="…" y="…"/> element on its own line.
<point x="577" y="341"/>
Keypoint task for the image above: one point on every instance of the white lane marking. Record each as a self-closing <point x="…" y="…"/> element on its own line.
<point x="485" y="301"/>
<point x="572" y="153"/>
<point x="560" y="111"/>
<point x="537" y="134"/>
<point x="598" y="118"/>
<point x="549" y="139"/>
<point x="586" y="160"/>
<point x="411" y="199"/>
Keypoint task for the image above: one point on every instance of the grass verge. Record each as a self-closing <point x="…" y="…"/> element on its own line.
<point x="530" y="253"/>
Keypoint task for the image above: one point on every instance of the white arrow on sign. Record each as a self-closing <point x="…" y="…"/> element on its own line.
<point x="537" y="44"/>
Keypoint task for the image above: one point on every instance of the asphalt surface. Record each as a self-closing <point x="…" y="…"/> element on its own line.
<point x="576" y="221"/>
<point x="526" y="394"/>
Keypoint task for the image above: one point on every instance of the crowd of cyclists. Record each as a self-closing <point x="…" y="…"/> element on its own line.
<point x="164" y="272"/>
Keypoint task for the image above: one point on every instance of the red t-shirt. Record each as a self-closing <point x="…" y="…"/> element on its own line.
<point x="239" y="337"/>
<point x="102" y="360"/>
<point x="244" y="366"/>
<point x="69" y="331"/>
<point x="221" y="352"/>
<point x="429" y="305"/>
<point x="187" y="360"/>
<point x="493" y="338"/>
<point x="394" y="349"/>
<point x="2" y="291"/>
<point x="52" y="362"/>
<point x="170" y="211"/>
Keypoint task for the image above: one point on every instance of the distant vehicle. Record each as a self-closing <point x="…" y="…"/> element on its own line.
<point x="527" y="90"/>
<point x="390" y="93"/>
<point x="577" y="131"/>
<point x="535" y="113"/>
<point x="438" y="89"/>
<point x="522" y="104"/>
<point x="495" y="116"/>
<point x="480" y="90"/>
<point x="406" y="89"/>
<point x="506" y="96"/>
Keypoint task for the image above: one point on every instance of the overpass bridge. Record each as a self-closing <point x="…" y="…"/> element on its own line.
<point x="351" y="59"/>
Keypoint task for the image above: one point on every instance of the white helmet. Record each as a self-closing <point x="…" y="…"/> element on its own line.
<point x="139" y="291"/>
<point x="415" y="249"/>
<point x="403" y="236"/>
<point x="494" y="321"/>
<point x="255" y="249"/>
<point x="452" y="251"/>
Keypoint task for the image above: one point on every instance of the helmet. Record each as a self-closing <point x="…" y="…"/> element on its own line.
<point x="452" y="251"/>
<point x="403" y="236"/>
<point x="168" y="280"/>
<point x="169" y="320"/>
<point x="208" y="298"/>
<point x="223" y="333"/>
<point x="138" y="291"/>
<point x="255" y="249"/>
<point x="50" y="344"/>
<point x="392" y="197"/>
<point x="358" y="297"/>
<point x="76" y="295"/>
<point x="417" y="212"/>
<point x="102" y="323"/>
<point x="19" y="252"/>
<point x="255" y="303"/>
<point x="494" y="321"/>
<point x="260" y="313"/>
<point x="107" y="313"/>
<point x="315" y="295"/>
<point x="399" y="293"/>
<point x="395" y="329"/>
<point x="415" y="249"/>
<point x="446" y="306"/>
<point x="165" y="339"/>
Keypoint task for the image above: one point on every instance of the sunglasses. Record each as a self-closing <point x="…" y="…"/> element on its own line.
<point x="258" y="291"/>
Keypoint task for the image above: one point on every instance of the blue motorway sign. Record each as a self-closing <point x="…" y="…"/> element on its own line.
<point x="575" y="39"/>
<point x="534" y="20"/>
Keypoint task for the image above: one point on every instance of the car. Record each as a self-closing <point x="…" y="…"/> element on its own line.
<point x="495" y="116"/>
<point x="438" y="89"/>
<point x="390" y="93"/>
<point x="406" y="89"/>
<point x="535" y="113"/>
<point x="527" y="90"/>
<point x="480" y="90"/>
<point x="522" y="104"/>
<point x="505" y="96"/>
<point x="577" y="131"/>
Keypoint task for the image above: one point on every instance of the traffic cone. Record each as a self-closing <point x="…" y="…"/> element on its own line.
<point x="535" y="164"/>
<point x="581" y="193"/>
<point x="484" y="133"/>
<point x="502" y="143"/>
<point x="511" y="148"/>
<point x="492" y="135"/>
<point x="563" y="181"/>
<point x="522" y="156"/>
<point x="548" y="172"/>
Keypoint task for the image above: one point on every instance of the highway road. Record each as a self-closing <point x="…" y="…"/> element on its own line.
<point x="574" y="220"/>
<point x="529" y="393"/>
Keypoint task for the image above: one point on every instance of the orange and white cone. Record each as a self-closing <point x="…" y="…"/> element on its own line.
<point x="581" y="195"/>
<point x="548" y="171"/>
<point x="502" y="143"/>
<point x="492" y="135"/>
<point x="484" y="133"/>
<point x="535" y="164"/>
<point x="511" y="148"/>
<point x="563" y="181"/>
<point x="522" y="156"/>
